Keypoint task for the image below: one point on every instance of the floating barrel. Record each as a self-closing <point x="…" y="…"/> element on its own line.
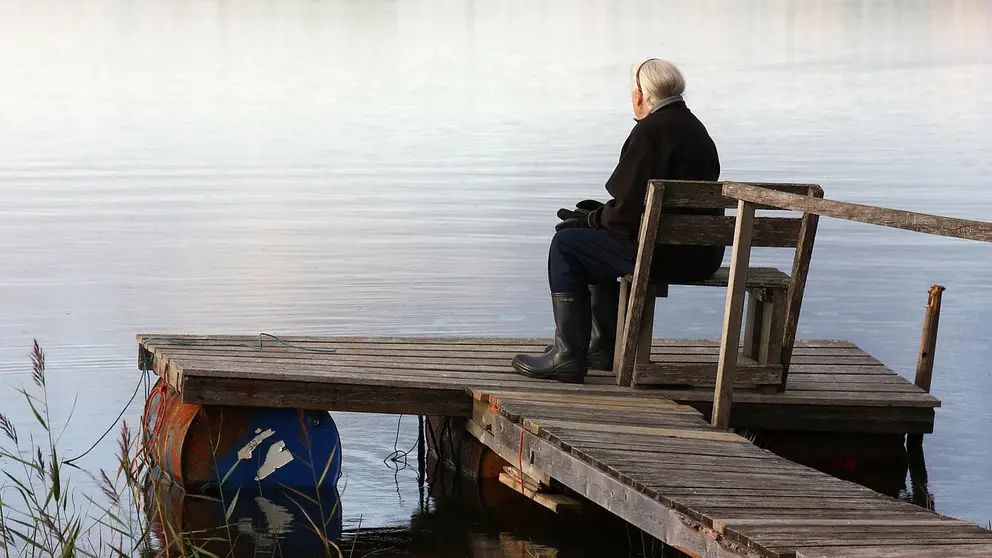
<point x="225" y="448"/>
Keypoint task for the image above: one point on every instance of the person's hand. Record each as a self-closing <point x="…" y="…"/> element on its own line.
<point x="589" y="205"/>
<point x="577" y="218"/>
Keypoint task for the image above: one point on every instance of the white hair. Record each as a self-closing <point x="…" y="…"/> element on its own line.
<point x="659" y="79"/>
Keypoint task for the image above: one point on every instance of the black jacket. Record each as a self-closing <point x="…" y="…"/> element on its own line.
<point x="668" y="143"/>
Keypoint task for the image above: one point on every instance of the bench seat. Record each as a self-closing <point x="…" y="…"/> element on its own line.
<point x="760" y="364"/>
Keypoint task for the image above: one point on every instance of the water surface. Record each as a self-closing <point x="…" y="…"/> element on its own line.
<point x="393" y="167"/>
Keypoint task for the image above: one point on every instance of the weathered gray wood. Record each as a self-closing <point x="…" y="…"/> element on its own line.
<point x="340" y="397"/>
<point x="891" y="551"/>
<point x="713" y="230"/>
<point x="703" y="374"/>
<point x="640" y="509"/>
<point x="773" y="318"/>
<point x="757" y="278"/>
<point x="751" y="344"/>
<point x="730" y="338"/>
<point x="709" y="195"/>
<point x="647" y="328"/>
<point x="639" y="284"/>
<point x="624" y="300"/>
<point x="797" y="287"/>
<point x="840" y="398"/>
<point x="459" y="343"/>
<point x="873" y="215"/>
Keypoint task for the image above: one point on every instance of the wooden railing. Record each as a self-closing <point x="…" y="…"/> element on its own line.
<point x="751" y="197"/>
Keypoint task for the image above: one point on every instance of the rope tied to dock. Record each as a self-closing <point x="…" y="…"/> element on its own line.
<point x="259" y="346"/>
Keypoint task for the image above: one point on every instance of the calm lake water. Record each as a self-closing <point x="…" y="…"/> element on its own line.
<point x="393" y="167"/>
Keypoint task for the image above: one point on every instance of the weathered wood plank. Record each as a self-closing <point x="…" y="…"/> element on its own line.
<point x="704" y="374"/>
<point x="354" y="397"/>
<point x="536" y="426"/>
<point x="757" y="278"/>
<point x="640" y="509"/>
<point x="557" y="503"/>
<point x="872" y="215"/>
<point x="839" y="398"/>
<point x="797" y="287"/>
<point x="801" y="522"/>
<point x="413" y="341"/>
<point x="623" y="363"/>
<point x="902" y="551"/>
<point x="621" y="399"/>
<point x="709" y="195"/>
<point x="710" y="230"/>
<point x="733" y="314"/>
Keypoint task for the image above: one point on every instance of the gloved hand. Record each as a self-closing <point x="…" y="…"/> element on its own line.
<point x="591" y="205"/>
<point x="577" y="218"/>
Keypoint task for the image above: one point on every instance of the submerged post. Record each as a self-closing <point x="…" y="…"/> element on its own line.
<point x="928" y="344"/>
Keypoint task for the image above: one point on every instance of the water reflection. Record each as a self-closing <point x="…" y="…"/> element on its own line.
<point x="889" y="464"/>
<point x="273" y="523"/>
<point x="456" y="517"/>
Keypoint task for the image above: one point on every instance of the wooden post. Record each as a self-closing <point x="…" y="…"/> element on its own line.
<point x="621" y="320"/>
<point x="733" y="313"/>
<point x="924" y="364"/>
<point x="928" y="341"/>
<point x="797" y="287"/>
<point x="647" y="328"/>
<point x="624" y="363"/>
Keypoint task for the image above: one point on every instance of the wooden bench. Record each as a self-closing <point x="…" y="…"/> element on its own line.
<point x="774" y="297"/>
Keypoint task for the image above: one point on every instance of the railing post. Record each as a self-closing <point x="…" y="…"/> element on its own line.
<point x="733" y="314"/>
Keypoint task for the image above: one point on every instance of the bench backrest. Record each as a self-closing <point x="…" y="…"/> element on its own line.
<point x="774" y="231"/>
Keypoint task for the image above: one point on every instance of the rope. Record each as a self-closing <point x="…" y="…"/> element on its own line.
<point x="259" y="346"/>
<point x="399" y="455"/>
<point x="520" y="459"/>
<point x="146" y="366"/>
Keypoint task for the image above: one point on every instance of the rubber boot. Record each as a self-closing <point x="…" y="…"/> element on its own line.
<point x="566" y="361"/>
<point x="605" y="300"/>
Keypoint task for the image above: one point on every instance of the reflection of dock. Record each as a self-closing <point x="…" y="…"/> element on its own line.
<point x="647" y="458"/>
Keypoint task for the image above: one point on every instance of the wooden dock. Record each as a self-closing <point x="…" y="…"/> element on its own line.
<point x="834" y="386"/>
<point x="647" y="455"/>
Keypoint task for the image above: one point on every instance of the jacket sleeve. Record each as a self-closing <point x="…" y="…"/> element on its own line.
<point x="628" y="184"/>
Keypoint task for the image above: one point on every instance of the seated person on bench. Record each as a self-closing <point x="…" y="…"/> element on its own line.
<point x="595" y="244"/>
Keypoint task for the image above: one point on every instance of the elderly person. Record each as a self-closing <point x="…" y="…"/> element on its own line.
<point x="596" y="243"/>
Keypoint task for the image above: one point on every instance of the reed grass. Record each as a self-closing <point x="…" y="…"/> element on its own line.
<point x="43" y="514"/>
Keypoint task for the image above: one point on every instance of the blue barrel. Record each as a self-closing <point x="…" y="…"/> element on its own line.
<point x="226" y="448"/>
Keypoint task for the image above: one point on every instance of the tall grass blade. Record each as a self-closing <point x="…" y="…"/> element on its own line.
<point x="34" y="410"/>
<point x="230" y="507"/>
<point x="327" y="467"/>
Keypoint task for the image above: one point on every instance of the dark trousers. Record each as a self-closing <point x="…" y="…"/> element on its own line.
<point x="582" y="257"/>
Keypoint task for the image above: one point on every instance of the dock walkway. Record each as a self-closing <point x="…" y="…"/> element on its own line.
<point x="654" y="461"/>
<point x="833" y="385"/>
